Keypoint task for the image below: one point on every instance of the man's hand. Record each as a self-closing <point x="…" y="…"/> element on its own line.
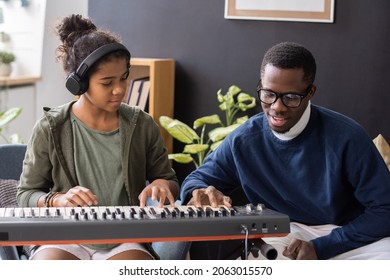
<point x="209" y="196"/>
<point x="300" y="250"/>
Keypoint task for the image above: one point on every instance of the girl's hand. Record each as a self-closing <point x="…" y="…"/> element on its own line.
<point x="77" y="196"/>
<point x="160" y="190"/>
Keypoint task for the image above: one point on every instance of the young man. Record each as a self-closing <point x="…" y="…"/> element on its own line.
<point x="315" y="165"/>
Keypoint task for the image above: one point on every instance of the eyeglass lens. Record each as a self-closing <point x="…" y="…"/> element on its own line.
<point x="289" y="99"/>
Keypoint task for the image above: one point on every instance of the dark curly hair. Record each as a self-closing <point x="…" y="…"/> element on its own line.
<point x="288" y="55"/>
<point x="80" y="37"/>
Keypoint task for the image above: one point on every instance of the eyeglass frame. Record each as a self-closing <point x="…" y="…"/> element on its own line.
<point x="280" y="95"/>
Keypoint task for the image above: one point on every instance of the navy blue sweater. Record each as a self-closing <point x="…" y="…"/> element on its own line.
<point x="331" y="173"/>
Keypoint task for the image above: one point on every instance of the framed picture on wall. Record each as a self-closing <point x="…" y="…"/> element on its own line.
<point x="281" y="10"/>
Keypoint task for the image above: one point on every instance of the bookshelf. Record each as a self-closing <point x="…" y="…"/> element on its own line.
<point x="161" y="73"/>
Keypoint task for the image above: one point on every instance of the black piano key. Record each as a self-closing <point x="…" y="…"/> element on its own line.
<point x="191" y="212"/>
<point x="200" y="212"/>
<point x="223" y="211"/>
<point x="179" y="213"/>
<point x="131" y="214"/>
<point x="208" y="211"/>
<point x="153" y="211"/>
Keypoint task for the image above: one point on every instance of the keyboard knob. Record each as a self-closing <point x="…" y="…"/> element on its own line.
<point x="260" y="207"/>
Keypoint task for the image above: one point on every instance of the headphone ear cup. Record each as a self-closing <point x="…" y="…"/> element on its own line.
<point x="75" y="85"/>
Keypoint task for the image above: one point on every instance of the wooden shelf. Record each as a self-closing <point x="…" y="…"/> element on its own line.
<point x="18" y="81"/>
<point x="161" y="73"/>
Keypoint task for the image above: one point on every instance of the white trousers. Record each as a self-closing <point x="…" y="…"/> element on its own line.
<point x="379" y="250"/>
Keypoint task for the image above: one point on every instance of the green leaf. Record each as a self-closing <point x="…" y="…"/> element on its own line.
<point x="220" y="133"/>
<point x="213" y="119"/>
<point x="9" y="115"/>
<point x="181" y="158"/>
<point x="215" y="145"/>
<point x="178" y="130"/>
<point x="241" y="120"/>
<point x="220" y="96"/>
<point x="234" y="90"/>
<point x="245" y="101"/>
<point x="15" y="139"/>
<point x="223" y="106"/>
<point x="165" y="121"/>
<point x="195" y="148"/>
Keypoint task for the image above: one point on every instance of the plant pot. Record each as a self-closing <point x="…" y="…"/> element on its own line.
<point x="5" y="70"/>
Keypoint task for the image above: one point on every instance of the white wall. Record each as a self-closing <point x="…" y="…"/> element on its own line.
<point x="32" y="39"/>
<point x="23" y="27"/>
<point x="51" y="89"/>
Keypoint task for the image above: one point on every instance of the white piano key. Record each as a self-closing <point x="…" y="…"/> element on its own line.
<point x="2" y="212"/>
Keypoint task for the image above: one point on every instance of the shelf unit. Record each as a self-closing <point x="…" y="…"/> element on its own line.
<point x="161" y="73"/>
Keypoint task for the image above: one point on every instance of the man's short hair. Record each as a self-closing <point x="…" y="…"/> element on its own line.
<point x="289" y="55"/>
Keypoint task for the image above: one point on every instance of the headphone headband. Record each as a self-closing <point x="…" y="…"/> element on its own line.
<point x="77" y="82"/>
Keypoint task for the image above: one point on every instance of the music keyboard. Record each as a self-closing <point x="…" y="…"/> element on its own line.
<point x="118" y="224"/>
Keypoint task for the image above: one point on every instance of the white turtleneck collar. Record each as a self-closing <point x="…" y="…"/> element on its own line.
<point x="297" y="128"/>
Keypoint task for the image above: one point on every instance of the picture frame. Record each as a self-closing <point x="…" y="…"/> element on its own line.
<point x="281" y="10"/>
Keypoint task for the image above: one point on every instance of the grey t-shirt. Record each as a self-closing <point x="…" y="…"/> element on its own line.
<point x="99" y="166"/>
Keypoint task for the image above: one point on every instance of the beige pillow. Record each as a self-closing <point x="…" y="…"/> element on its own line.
<point x="383" y="148"/>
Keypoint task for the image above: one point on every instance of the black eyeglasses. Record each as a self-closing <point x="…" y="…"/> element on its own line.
<point x="289" y="99"/>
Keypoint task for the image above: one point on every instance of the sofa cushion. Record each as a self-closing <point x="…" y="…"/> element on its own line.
<point x="383" y="148"/>
<point x="8" y="189"/>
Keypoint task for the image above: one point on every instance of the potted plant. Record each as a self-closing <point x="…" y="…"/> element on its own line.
<point x="197" y="146"/>
<point x="5" y="118"/>
<point x="5" y="62"/>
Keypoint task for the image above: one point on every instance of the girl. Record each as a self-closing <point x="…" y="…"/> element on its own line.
<point x="94" y="150"/>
